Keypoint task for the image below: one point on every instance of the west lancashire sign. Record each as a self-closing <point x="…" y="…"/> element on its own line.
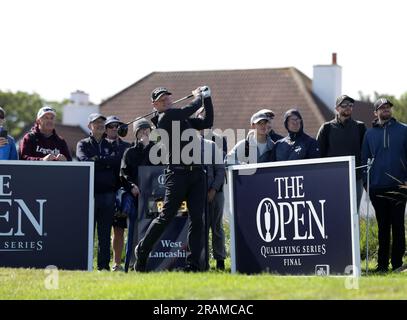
<point x="170" y="251"/>
<point x="46" y="214"/>
<point x="295" y="217"/>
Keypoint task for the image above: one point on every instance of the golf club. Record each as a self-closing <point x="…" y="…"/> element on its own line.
<point x="123" y="128"/>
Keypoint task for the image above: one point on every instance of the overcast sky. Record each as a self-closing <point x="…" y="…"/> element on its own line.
<point x="54" y="47"/>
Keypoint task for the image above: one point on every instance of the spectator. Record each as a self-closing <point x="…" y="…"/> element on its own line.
<point x="256" y="147"/>
<point x="386" y="143"/>
<point x="8" y="150"/>
<point x="106" y="157"/>
<point x="297" y="145"/>
<point x="215" y="171"/>
<point x="119" y="222"/>
<point x="137" y="155"/>
<point x="272" y="134"/>
<point x="42" y="142"/>
<point x="343" y="136"/>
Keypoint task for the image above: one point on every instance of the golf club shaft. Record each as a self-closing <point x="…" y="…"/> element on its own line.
<point x="184" y="98"/>
<point x="148" y="114"/>
<point x="138" y="118"/>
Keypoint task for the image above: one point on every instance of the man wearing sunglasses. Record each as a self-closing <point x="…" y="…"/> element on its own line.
<point x="343" y="136"/>
<point x="106" y="157"/>
<point x="112" y="123"/>
<point x="386" y="143"/>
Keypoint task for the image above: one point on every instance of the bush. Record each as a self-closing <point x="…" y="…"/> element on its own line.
<point x="373" y="238"/>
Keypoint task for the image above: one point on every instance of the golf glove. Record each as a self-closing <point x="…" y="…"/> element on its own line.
<point x="205" y="91"/>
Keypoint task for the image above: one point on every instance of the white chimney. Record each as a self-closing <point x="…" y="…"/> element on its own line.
<point x="80" y="98"/>
<point x="77" y="111"/>
<point x="327" y="82"/>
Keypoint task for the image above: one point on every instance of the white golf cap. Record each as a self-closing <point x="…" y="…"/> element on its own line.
<point x="45" y="110"/>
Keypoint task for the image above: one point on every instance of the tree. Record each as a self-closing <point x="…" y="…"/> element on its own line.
<point x="400" y="104"/>
<point x="400" y="109"/>
<point x="21" y="109"/>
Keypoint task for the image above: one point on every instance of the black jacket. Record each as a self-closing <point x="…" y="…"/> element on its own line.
<point x="275" y="136"/>
<point x="133" y="158"/>
<point x="338" y="138"/>
<point x="182" y="116"/>
<point x="121" y="147"/>
<point x="106" y="157"/>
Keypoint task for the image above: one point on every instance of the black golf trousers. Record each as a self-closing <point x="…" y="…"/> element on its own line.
<point x="181" y="182"/>
<point x="389" y="210"/>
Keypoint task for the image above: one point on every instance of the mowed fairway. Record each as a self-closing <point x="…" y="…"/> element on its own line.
<point x="31" y="284"/>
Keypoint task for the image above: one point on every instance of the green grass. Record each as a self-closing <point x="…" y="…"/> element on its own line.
<point x="30" y="284"/>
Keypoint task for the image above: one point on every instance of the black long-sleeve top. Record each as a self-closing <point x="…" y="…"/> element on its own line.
<point x="134" y="157"/>
<point x="175" y="116"/>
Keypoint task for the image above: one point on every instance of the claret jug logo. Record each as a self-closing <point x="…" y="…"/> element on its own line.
<point x="161" y="179"/>
<point x="17" y="219"/>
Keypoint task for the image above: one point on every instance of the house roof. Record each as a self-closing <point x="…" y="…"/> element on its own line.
<point x="71" y="134"/>
<point x="236" y="95"/>
<point x="363" y="111"/>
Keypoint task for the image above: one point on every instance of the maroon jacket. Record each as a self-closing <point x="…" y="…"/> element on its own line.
<point x="36" y="146"/>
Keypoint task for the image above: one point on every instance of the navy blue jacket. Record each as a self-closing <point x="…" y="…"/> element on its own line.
<point x="296" y="146"/>
<point x="275" y="136"/>
<point x="387" y="144"/>
<point x="107" y="158"/>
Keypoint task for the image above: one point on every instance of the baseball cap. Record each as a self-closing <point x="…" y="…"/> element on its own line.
<point x="258" y="116"/>
<point x="94" y="116"/>
<point x="158" y="92"/>
<point x="268" y="113"/>
<point x="112" y="119"/>
<point x="45" y="110"/>
<point x="343" y="98"/>
<point x="381" y="102"/>
<point x="140" y="124"/>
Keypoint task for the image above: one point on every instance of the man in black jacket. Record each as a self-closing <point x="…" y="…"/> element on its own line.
<point x="107" y="158"/>
<point x="136" y="156"/>
<point x="183" y="179"/>
<point x="112" y="124"/>
<point x="133" y="158"/>
<point x="343" y="136"/>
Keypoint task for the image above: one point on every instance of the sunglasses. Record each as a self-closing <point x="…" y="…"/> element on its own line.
<point x="112" y="126"/>
<point x="346" y="105"/>
<point x="384" y="107"/>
